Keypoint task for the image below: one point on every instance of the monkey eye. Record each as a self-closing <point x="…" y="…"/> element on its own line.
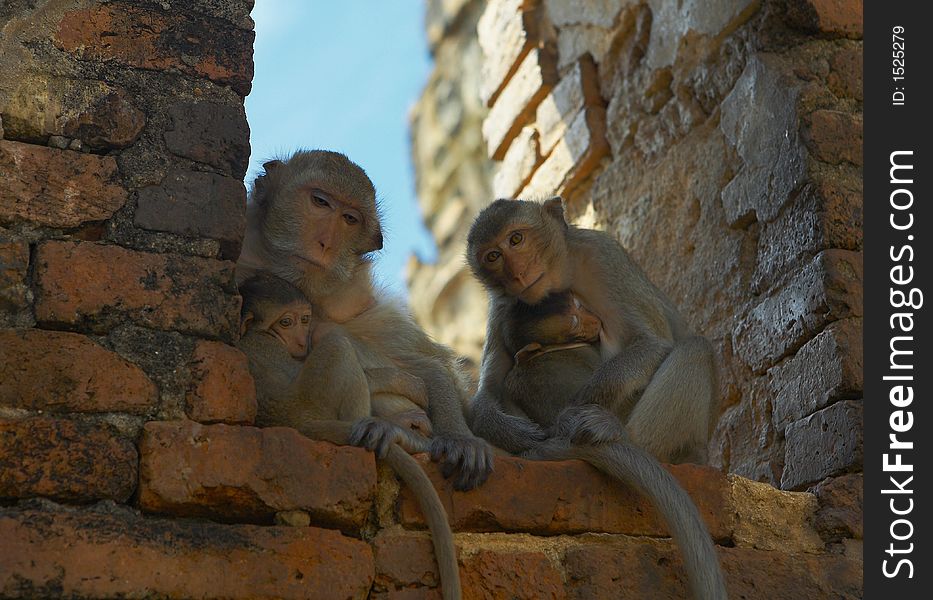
<point x="516" y="238"/>
<point x="305" y="319"/>
<point x="320" y="200"/>
<point x="493" y="256"/>
<point x="286" y="322"/>
<point x="350" y="219"/>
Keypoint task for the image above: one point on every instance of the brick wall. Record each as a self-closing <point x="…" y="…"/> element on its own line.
<point x="128" y="463"/>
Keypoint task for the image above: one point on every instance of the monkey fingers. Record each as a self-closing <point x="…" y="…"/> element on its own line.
<point x="589" y="424"/>
<point x="471" y="458"/>
<point x="378" y="435"/>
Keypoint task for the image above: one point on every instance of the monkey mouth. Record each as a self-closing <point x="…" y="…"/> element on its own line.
<point x="310" y="261"/>
<point x="533" y="283"/>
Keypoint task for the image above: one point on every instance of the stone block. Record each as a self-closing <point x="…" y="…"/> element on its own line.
<point x="222" y="389"/>
<point x="14" y="268"/>
<point x="576" y="90"/>
<point x="245" y="474"/>
<point x="67" y="372"/>
<point x="128" y="34"/>
<point x="841" y="510"/>
<point x="515" y="106"/>
<point x="834" y="17"/>
<point x="507" y="31"/>
<point x="520" y="161"/>
<point x="57" y="188"/>
<point x="826" y="369"/>
<point x="770" y="519"/>
<point x="210" y="133"/>
<point x="98" y="286"/>
<point x="565" y="497"/>
<point x="196" y="204"/>
<point x="69" y="461"/>
<point x="827" y="289"/>
<point x="835" y="137"/>
<point x="826" y="443"/>
<point x="115" y="553"/>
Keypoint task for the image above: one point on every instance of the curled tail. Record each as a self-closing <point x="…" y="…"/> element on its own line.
<point x="414" y="477"/>
<point x="636" y="467"/>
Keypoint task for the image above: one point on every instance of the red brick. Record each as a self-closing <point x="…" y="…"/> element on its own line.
<point x="845" y="76"/>
<point x="222" y="390"/>
<point x="210" y="133"/>
<point x="565" y="497"/>
<point x="59" y="371"/>
<point x="840" y="514"/>
<point x="249" y="474"/>
<point x="405" y="568"/>
<point x="98" y="287"/>
<point x="57" y="188"/>
<point x="643" y="568"/>
<point x="837" y="17"/>
<point x="835" y="137"/>
<point x="109" y="121"/>
<point x="137" y="37"/>
<point x="97" y="554"/>
<point x="14" y="266"/>
<point x="65" y="460"/>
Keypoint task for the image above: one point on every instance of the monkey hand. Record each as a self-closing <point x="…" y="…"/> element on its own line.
<point x="377" y="435"/>
<point x="588" y="425"/>
<point x="415" y="420"/>
<point x="470" y="457"/>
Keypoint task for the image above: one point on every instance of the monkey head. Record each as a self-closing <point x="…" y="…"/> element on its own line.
<point x="519" y="248"/>
<point x="277" y="308"/>
<point x="317" y="217"/>
<point x="558" y="319"/>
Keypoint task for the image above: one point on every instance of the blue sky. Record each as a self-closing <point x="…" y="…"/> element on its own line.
<point x="343" y="76"/>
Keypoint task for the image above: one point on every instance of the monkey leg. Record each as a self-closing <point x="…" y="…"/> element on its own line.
<point x="333" y="381"/>
<point x="672" y="418"/>
<point x="391" y="380"/>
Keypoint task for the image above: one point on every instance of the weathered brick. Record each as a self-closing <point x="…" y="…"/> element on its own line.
<point x="249" y="474"/>
<point x="565" y="497"/>
<point x="644" y="568"/>
<point x="222" y="390"/>
<point x="520" y="161"/>
<point x="845" y="76"/>
<point x="835" y="137"/>
<point x="97" y="287"/>
<point x="62" y="372"/>
<point x="840" y="514"/>
<point x="506" y="31"/>
<point x="515" y="106"/>
<point x="196" y="204"/>
<point x="405" y="567"/>
<point x="827" y="289"/>
<point x="210" y="133"/>
<point x="107" y="553"/>
<point x="577" y="89"/>
<point x="826" y="369"/>
<point x="837" y="17"/>
<point x="65" y="460"/>
<point x="770" y="519"/>
<point x="574" y="157"/>
<point x="57" y="188"/>
<point x="826" y="443"/>
<point x="14" y="266"/>
<point x="125" y="33"/>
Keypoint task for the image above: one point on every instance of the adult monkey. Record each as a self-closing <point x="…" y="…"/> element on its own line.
<point x="654" y="376"/>
<point x="312" y="220"/>
<point x="275" y="326"/>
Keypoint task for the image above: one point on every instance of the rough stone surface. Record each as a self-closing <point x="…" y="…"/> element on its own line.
<point x="506" y="31"/>
<point x="826" y="443"/>
<point x="826" y="369"/>
<point x="516" y="105"/>
<point x="195" y="204"/>
<point x="14" y="265"/>
<point x="222" y="389"/>
<point x="520" y="161"/>
<point x="555" y="115"/>
<point x="565" y="497"/>
<point x="839" y="17"/>
<point x="654" y="570"/>
<point x="827" y="289"/>
<point x="210" y="133"/>
<point x="55" y="187"/>
<point x="138" y="37"/>
<point x="65" y="460"/>
<point x="770" y="519"/>
<point x="841" y="505"/>
<point x="108" y="553"/>
<point x="248" y="474"/>
<point x="835" y="136"/>
<point x="67" y="372"/>
<point x="98" y="287"/>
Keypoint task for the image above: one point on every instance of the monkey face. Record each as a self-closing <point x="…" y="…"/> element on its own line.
<point x="330" y="229"/>
<point x="292" y="326"/>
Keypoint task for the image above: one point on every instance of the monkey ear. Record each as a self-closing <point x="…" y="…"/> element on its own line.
<point x="245" y="323"/>
<point x="271" y="165"/>
<point x="555" y="207"/>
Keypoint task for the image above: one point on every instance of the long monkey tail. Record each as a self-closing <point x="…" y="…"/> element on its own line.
<point x="338" y="432"/>
<point x="414" y="477"/>
<point x="636" y="467"/>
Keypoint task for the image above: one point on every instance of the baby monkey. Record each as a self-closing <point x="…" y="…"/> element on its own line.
<point x="555" y="345"/>
<point x="274" y="307"/>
